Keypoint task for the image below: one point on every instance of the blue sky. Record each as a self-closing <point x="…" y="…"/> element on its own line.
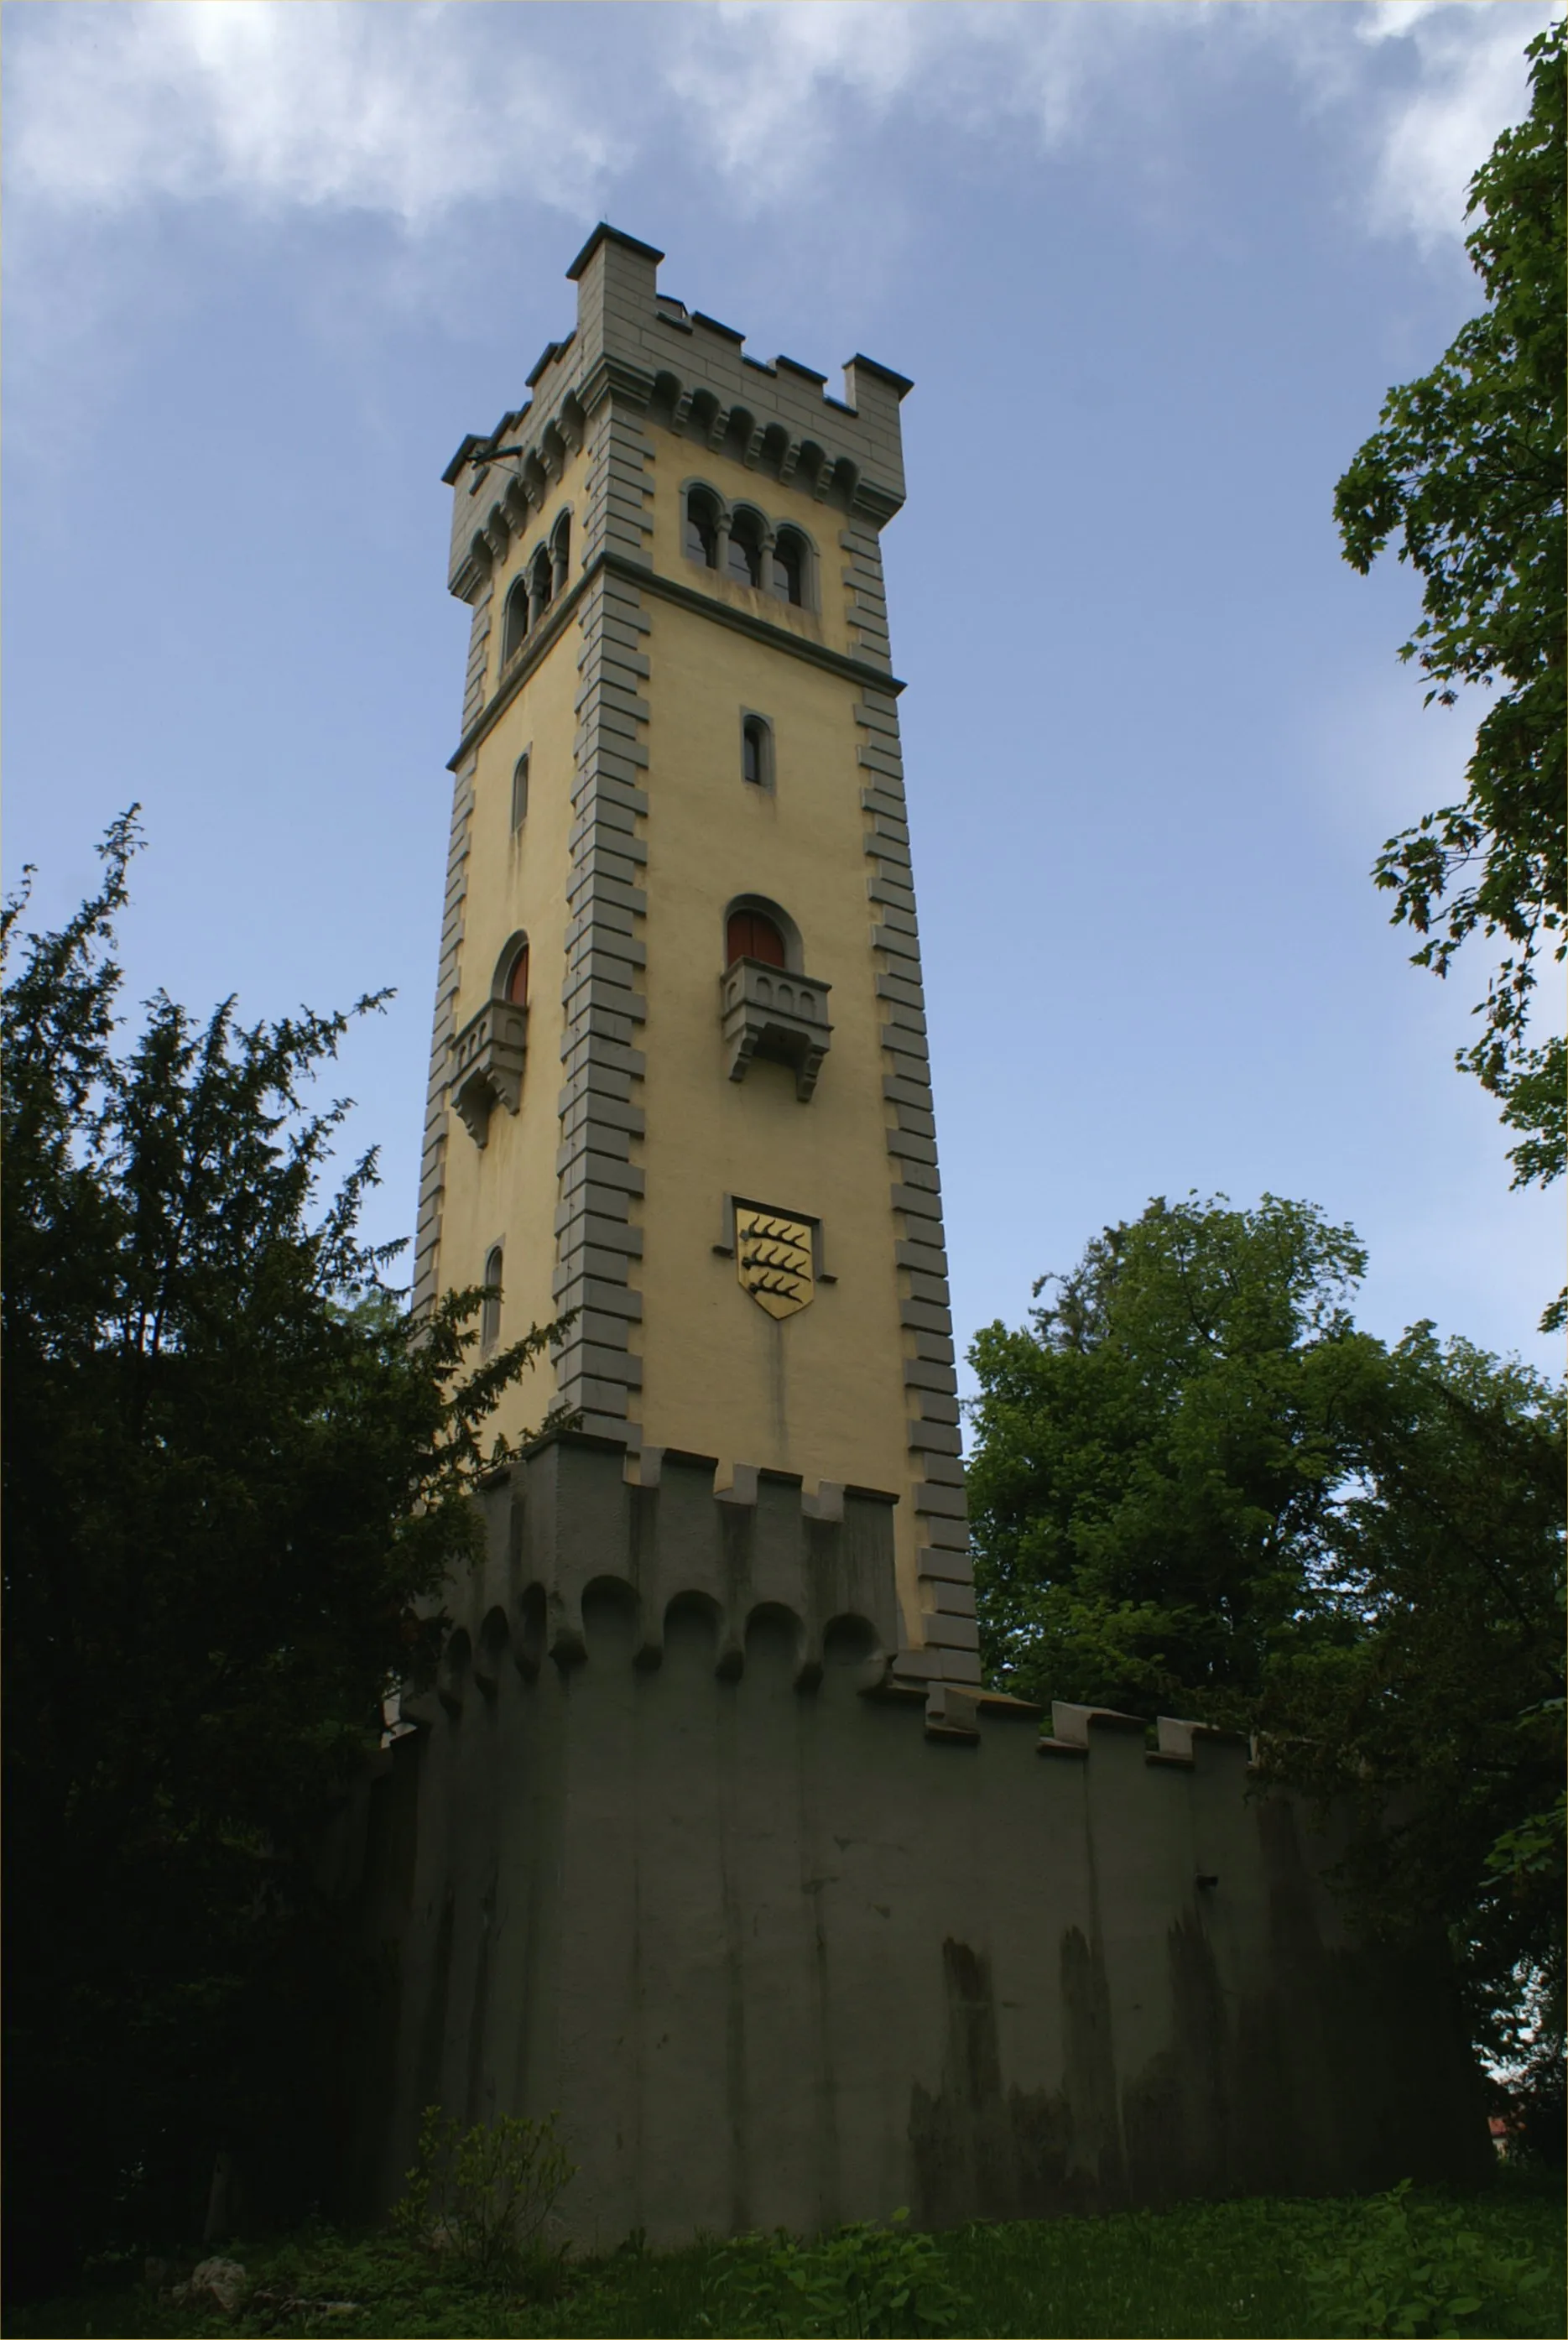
<point x="1152" y="269"/>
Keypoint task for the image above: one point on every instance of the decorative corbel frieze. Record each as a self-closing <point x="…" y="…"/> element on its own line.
<point x="471" y="574"/>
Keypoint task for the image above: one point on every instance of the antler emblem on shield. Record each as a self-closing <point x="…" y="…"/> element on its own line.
<point x="773" y="1260"/>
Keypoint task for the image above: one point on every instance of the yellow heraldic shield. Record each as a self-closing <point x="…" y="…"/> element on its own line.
<point x="773" y="1260"/>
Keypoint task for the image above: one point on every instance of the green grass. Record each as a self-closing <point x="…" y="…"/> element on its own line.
<point x="1204" y="2269"/>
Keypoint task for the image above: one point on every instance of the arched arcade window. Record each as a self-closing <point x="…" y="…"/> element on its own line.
<point x="701" y="528"/>
<point x="560" y="552"/>
<point x="746" y="549"/>
<point x="542" y="583"/>
<point x="789" y="566"/>
<point x="514" y="625"/>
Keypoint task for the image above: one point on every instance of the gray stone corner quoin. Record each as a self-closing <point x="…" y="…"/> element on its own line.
<point x="783" y="1915"/>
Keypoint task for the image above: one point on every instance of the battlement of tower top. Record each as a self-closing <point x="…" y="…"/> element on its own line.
<point x="690" y="373"/>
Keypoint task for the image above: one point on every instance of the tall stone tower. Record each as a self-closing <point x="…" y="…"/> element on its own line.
<point x="708" y="1839"/>
<point x="680" y="1080"/>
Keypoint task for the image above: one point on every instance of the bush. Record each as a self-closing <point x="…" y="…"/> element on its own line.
<point x="860" y="2281"/>
<point x="1417" y="2268"/>
<point x="484" y="2193"/>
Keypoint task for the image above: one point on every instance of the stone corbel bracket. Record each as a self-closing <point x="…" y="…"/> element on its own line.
<point x="488" y="1058"/>
<point x="768" y="1011"/>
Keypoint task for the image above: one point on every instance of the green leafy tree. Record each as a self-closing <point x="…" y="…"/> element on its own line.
<point x="236" y="1476"/>
<point x="1199" y="1488"/>
<point x="1157" y="1458"/>
<point x="1467" y="469"/>
<point x="1440" y="1714"/>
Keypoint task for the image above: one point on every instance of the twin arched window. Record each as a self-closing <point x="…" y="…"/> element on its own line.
<point x="745" y="547"/>
<point x="533" y="591"/>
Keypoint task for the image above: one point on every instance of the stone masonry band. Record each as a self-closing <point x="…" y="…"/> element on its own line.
<point x="600" y="1114"/>
<point x="946" y="1572"/>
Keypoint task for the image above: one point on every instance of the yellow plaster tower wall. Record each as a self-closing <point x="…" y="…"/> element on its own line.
<point x="602" y="1143"/>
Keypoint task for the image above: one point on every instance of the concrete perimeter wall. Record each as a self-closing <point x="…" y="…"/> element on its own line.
<point x="786" y="1942"/>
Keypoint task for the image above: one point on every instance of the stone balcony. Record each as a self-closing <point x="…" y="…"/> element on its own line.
<point x="768" y="1011"/>
<point x="486" y="1064"/>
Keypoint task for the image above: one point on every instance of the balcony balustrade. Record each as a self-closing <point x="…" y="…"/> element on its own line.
<point x="768" y="1011"/>
<point x="486" y="1064"/>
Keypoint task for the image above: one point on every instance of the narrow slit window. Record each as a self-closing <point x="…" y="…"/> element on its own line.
<point x="519" y="792"/>
<point x="753" y="936"/>
<point x="516" y="990"/>
<point x="756" y="752"/>
<point x="489" y="1306"/>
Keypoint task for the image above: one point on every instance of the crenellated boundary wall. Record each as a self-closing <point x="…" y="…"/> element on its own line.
<point x="785" y="1941"/>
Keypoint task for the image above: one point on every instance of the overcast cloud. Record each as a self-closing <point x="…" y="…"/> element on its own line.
<point x="414" y="109"/>
<point x="1152" y="268"/>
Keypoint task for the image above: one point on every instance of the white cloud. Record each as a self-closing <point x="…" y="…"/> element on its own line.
<point x="758" y="75"/>
<point x="764" y="81"/>
<point x="396" y="109"/>
<point x="411" y="110"/>
<point x="1474" y="80"/>
<point x="774" y="84"/>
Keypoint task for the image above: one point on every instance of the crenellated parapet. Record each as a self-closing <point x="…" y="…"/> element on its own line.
<point x="583" y="1527"/>
<point x="784" y="1940"/>
<point x="645" y="350"/>
<point x="645" y="1532"/>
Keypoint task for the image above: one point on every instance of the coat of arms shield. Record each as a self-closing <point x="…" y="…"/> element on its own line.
<point x="773" y="1259"/>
